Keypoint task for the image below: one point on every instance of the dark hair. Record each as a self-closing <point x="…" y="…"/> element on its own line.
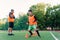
<point x="12" y="9"/>
<point x="29" y="10"/>
<point x="10" y="13"/>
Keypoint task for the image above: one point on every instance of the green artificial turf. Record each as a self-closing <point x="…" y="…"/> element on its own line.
<point x="20" y="35"/>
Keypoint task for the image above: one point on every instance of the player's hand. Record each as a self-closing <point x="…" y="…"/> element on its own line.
<point x="37" y="27"/>
<point x="27" y="23"/>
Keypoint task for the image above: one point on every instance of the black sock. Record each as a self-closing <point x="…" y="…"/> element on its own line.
<point x="38" y="33"/>
<point x="30" y="32"/>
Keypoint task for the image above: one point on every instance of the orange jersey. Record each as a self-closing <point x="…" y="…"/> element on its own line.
<point x="11" y="19"/>
<point x="32" y="20"/>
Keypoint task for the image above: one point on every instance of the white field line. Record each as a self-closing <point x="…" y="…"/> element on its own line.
<point x="54" y="36"/>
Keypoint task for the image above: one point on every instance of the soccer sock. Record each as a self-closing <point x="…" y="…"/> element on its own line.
<point x="30" y="32"/>
<point x="38" y="33"/>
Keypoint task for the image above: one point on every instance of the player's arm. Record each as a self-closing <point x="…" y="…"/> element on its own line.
<point x="36" y="21"/>
<point x="27" y="23"/>
<point x="14" y="17"/>
<point x="10" y="15"/>
<point x="35" y="18"/>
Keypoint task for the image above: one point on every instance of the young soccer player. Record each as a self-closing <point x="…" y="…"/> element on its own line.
<point x="11" y="22"/>
<point x="32" y="21"/>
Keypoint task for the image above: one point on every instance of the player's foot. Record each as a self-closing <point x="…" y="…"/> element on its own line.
<point x="12" y="34"/>
<point x="26" y="36"/>
<point x="9" y="34"/>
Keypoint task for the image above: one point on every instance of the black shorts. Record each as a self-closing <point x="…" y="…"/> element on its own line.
<point x="11" y="24"/>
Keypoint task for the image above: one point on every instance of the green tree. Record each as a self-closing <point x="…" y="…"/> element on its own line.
<point x="20" y="23"/>
<point x="52" y="16"/>
<point x="39" y="11"/>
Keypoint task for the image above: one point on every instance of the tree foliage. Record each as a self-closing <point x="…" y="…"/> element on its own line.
<point x="46" y="15"/>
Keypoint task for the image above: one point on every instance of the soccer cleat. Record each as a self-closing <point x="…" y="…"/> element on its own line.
<point x="26" y="36"/>
<point x="10" y="34"/>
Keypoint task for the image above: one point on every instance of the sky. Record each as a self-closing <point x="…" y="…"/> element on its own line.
<point x="20" y="6"/>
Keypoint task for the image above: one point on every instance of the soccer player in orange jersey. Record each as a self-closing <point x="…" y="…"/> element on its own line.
<point x="11" y="19"/>
<point x="32" y="21"/>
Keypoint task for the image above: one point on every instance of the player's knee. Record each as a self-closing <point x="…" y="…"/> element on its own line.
<point x="9" y="28"/>
<point x="29" y="30"/>
<point x="36" y="30"/>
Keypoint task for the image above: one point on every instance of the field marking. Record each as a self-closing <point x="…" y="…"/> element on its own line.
<point x="54" y="36"/>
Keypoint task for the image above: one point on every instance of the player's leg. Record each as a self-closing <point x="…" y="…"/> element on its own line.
<point x="29" y="29"/>
<point x="36" y="30"/>
<point x="12" y="25"/>
<point x="38" y="33"/>
<point x="11" y="31"/>
<point x="10" y="28"/>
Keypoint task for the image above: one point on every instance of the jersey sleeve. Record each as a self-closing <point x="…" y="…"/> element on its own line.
<point x="10" y="15"/>
<point x="14" y="17"/>
<point x="35" y="18"/>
